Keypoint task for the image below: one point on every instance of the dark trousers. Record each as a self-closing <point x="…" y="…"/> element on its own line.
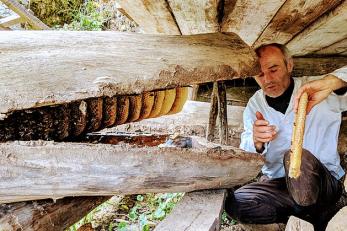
<point x="273" y="201"/>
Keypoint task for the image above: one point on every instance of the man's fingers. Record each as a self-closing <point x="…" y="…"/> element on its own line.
<point x="261" y="123"/>
<point x="259" y="116"/>
<point x="268" y="129"/>
<point x="265" y="140"/>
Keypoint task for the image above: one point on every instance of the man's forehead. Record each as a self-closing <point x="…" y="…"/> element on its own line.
<point x="271" y="56"/>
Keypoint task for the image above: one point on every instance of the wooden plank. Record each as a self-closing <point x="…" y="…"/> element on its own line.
<point x="249" y="18"/>
<point x="154" y="16"/>
<point x="338" y="48"/>
<point x="196" y="17"/>
<point x="211" y="126"/>
<point x="65" y="66"/>
<point x="46" y="214"/>
<point x="306" y="66"/>
<point x="40" y="169"/>
<point x="222" y="113"/>
<point x="196" y="211"/>
<point x="326" y="30"/>
<point x="297" y="224"/>
<point x="293" y="17"/>
<point x="34" y="22"/>
<point x="10" y="21"/>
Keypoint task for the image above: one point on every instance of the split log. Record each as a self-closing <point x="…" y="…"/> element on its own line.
<point x="196" y="17"/>
<point x="99" y="64"/>
<point x="222" y="113"/>
<point x="154" y="17"/>
<point x="297" y="224"/>
<point x="338" y="48"/>
<point x="196" y="211"/>
<point x="40" y="169"/>
<point x="45" y="214"/>
<point x="330" y="26"/>
<point x="211" y="126"/>
<point x="10" y="21"/>
<point x="292" y="18"/>
<point x="249" y="16"/>
<point x="314" y="66"/>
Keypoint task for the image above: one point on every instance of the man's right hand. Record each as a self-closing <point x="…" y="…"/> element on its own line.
<point x="262" y="132"/>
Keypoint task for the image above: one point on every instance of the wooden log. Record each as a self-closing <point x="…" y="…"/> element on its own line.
<point x="34" y="22"/>
<point x="40" y="169"/>
<point x="222" y="113"/>
<point x="46" y="214"/>
<point x="10" y="21"/>
<point x="297" y="224"/>
<point x="196" y="211"/>
<point x="196" y="17"/>
<point x="292" y="18"/>
<point x="338" y="48"/>
<point x="98" y="64"/>
<point x="211" y="126"/>
<point x="249" y="16"/>
<point x="330" y="27"/>
<point x="314" y="66"/>
<point x="154" y="17"/>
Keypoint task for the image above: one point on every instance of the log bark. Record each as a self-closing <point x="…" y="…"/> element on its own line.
<point x="38" y="169"/>
<point x="222" y="113"/>
<point x="330" y="26"/>
<point x="99" y="64"/>
<point x="338" y="48"/>
<point x="46" y="214"/>
<point x="196" y="211"/>
<point x="211" y="126"/>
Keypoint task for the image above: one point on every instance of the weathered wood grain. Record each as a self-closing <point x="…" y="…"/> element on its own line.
<point x="196" y="17"/>
<point x="153" y="16"/>
<point x="38" y="169"/>
<point x="249" y="18"/>
<point x="212" y="119"/>
<point x="195" y="211"/>
<point x="222" y="113"/>
<point x="66" y="66"/>
<point x="46" y="214"/>
<point x="314" y="66"/>
<point x="293" y="17"/>
<point x="338" y="48"/>
<point x="10" y="21"/>
<point x="326" y="30"/>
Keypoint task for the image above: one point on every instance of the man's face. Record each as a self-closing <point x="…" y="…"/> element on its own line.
<point x="274" y="77"/>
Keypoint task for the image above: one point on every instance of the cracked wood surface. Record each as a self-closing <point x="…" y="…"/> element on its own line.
<point x="65" y="66"/>
<point x="39" y="169"/>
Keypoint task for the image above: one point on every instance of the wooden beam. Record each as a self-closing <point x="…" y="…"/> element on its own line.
<point x="196" y="211"/>
<point x="306" y="66"/>
<point x="293" y="17"/>
<point x="211" y="126"/>
<point x="196" y="17"/>
<point x="222" y="113"/>
<point x="46" y="214"/>
<point x="249" y="18"/>
<point x="154" y="17"/>
<point x="39" y="169"/>
<point x="34" y="22"/>
<point x="99" y="64"/>
<point x="338" y="48"/>
<point x="326" y="30"/>
<point x="10" y="21"/>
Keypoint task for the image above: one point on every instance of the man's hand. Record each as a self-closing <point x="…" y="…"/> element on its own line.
<point x="318" y="90"/>
<point x="262" y="132"/>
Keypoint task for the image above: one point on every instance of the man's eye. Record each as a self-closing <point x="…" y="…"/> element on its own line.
<point x="273" y="70"/>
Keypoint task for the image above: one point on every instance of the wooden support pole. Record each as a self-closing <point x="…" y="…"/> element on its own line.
<point x="46" y="214"/>
<point x="211" y="126"/>
<point x="222" y="113"/>
<point x="38" y="169"/>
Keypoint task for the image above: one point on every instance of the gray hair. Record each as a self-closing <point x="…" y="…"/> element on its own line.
<point x="283" y="48"/>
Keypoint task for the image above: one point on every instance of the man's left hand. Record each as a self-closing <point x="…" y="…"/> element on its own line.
<point x="318" y="90"/>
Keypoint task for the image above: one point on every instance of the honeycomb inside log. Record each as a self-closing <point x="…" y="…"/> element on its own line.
<point x="71" y="120"/>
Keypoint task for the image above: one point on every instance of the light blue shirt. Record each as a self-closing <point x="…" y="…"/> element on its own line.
<point x="321" y="129"/>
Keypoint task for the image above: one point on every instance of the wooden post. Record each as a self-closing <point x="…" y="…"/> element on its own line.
<point x="211" y="126"/>
<point x="222" y="112"/>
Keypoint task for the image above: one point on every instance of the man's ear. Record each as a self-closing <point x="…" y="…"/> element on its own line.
<point x="290" y="65"/>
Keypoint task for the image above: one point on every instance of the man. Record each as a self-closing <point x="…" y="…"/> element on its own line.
<point x="268" y="122"/>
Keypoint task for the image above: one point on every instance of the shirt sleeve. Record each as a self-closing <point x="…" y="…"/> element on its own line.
<point x="342" y="99"/>
<point x="247" y="142"/>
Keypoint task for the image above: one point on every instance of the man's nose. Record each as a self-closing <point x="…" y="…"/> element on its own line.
<point x="267" y="78"/>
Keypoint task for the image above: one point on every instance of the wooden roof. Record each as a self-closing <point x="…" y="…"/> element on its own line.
<point x="309" y="28"/>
